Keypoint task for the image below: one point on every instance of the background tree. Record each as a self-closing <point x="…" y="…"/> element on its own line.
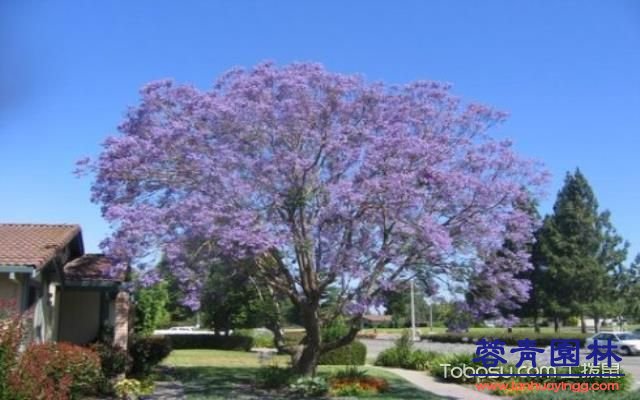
<point x="580" y="252"/>
<point x="607" y="296"/>
<point x="323" y="179"/>
<point x="397" y="304"/>
<point x="150" y="308"/>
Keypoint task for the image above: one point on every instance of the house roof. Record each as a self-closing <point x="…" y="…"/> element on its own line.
<point x="91" y="267"/>
<point x="377" y="318"/>
<point x="33" y="244"/>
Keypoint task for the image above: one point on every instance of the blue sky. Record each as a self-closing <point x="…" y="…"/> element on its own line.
<point x="567" y="71"/>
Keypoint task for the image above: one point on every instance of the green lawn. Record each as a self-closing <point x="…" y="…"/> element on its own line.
<point x="215" y="374"/>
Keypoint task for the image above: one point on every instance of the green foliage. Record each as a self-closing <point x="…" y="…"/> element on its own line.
<point x="581" y="253"/>
<point x="216" y="342"/>
<point x="150" y="308"/>
<point x="274" y="377"/>
<point x="261" y="338"/>
<point x="230" y="298"/>
<point x="397" y="304"/>
<point x="147" y="352"/>
<point x="403" y="355"/>
<point x="308" y="386"/>
<point x="355" y="353"/>
<point x="350" y="372"/>
<point x="132" y="389"/>
<point x="335" y="330"/>
<point x="114" y="361"/>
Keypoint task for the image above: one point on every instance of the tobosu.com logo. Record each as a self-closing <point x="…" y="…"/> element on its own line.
<point x="564" y="360"/>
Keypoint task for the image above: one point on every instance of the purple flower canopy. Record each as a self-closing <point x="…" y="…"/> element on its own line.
<point x="342" y="182"/>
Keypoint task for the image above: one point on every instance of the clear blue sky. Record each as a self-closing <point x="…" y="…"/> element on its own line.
<point x="567" y="71"/>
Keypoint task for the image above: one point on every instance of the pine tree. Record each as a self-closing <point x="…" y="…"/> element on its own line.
<point x="569" y="242"/>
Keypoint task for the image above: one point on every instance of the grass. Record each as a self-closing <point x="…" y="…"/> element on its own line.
<point x="216" y="374"/>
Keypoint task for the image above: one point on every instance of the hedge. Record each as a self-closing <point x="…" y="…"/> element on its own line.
<point x="510" y="339"/>
<point x="354" y="353"/>
<point x="216" y="342"/>
<point x="147" y="352"/>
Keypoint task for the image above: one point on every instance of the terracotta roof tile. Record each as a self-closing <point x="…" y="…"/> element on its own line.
<point x="91" y="267"/>
<point x="33" y="244"/>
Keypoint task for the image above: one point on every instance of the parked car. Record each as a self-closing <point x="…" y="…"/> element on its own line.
<point x="628" y="342"/>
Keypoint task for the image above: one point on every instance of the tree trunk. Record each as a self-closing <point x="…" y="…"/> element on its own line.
<point x="596" y="324"/>
<point x="306" y="358"/>
<point x="583" y="324"/>
<point x="556" y="325"/>
<point x="536" y="326"/>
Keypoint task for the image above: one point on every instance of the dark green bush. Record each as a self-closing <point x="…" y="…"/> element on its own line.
<point x="403" y="355"/>
<point x="147" y="352"/>
<point x="114" y="361"/>
<point x="274" y="377"/>
<point x="293" y="338"/>
<point x="354" y="353"/>
<point x="216" y="342"/>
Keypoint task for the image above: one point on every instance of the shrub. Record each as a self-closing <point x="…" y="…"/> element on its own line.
<point x="307" y="386"/>
<point x="150" y="310"/>
<point x="274" y="377"/>
<point x="56" y="371"/>
<point x="114" y="361"/>
<point x="216" y="342"/>
<point x="147" y="352"/>
<point x="133" y="388"/>
<point x="358" y="386"/>
<point x="293" y="338"/>
<point x="355" y="353"/>
<point x="261" y="337"/>
<point x="402" y="355"/>
<point x="350" y="372"/>
<point x="10" y="336"/>
<point x="353" y="381"/>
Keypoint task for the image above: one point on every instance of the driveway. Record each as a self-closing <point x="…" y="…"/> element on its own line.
<point x="630" y="364"/>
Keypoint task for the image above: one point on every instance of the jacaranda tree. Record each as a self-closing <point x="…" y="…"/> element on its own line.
<point x="323" y="181"/>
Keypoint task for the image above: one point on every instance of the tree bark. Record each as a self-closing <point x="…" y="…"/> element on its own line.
<point x="536" y="326"/>
<point x="556" y="325"/>
<point x="583" y="324"/>
<point x="305" y="359"/>
<point x="596" y="324"/>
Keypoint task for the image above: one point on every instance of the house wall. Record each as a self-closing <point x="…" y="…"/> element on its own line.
<point x="10" y="289"/>
<point x="79" y="316"/>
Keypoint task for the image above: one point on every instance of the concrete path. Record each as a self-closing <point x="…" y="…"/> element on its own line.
<point x="447" y="390"/>
<point x="168" y="390"/>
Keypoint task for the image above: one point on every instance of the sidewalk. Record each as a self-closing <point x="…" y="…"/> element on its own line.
<point x="448" y="390"/>
<point x="168" y="390"/>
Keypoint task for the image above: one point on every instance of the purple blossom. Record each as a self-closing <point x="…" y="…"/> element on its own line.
<point x="353" y="183"/>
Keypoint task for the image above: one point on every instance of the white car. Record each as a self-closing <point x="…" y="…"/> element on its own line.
<point x="628" y="343"/>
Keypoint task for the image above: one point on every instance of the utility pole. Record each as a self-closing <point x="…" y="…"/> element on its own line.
<point x="430" y="315"/>
<point x="413" y="315"/>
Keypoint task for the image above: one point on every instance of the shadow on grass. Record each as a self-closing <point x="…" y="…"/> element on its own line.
<point x="208" y="383"/>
